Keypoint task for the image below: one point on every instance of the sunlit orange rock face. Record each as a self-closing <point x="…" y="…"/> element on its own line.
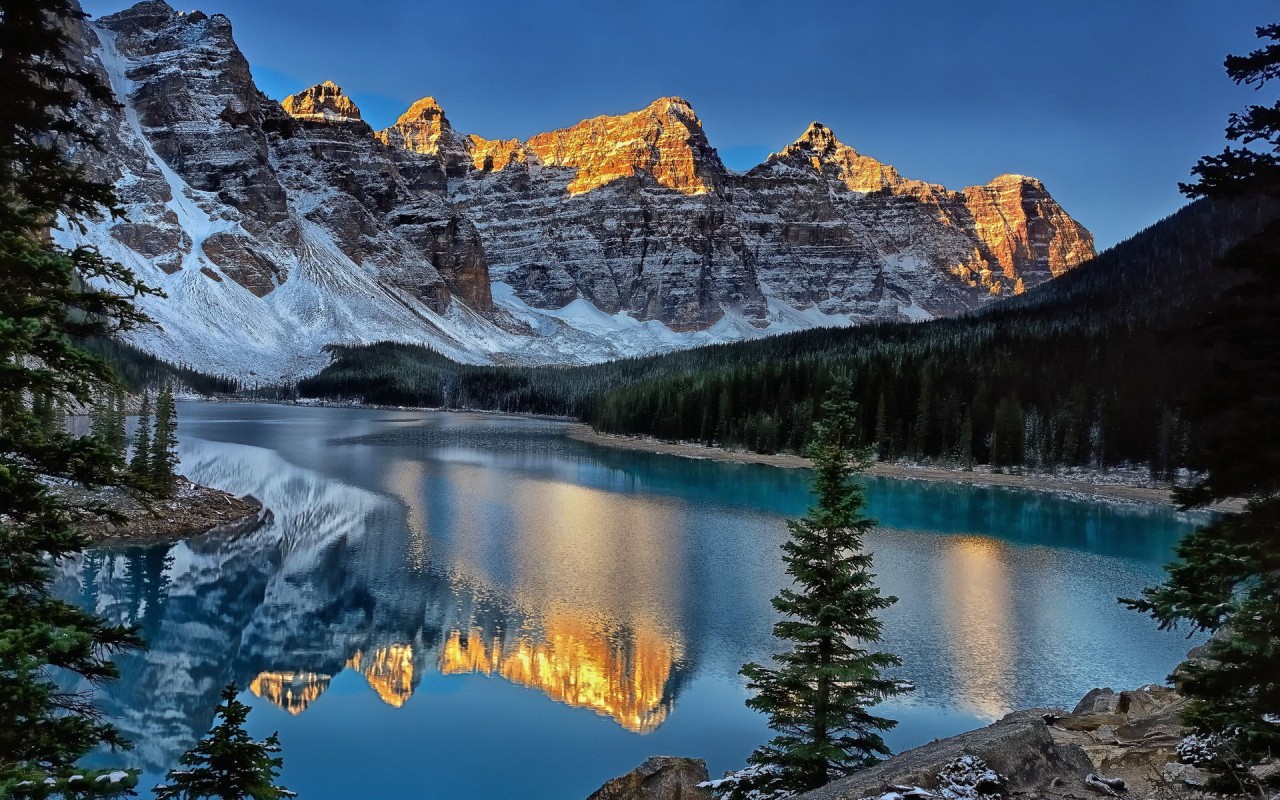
<point x="1020" y="222"/>
<point x="492" y="155"/>
<point x="292" y="691"/>
<point x="425" y="130"/>
<point x="664" y="140"/>
<point x="1020" y="232"/>
<point x="576" y="664"/>
<point x="820" y="150"/>
<point x="323" y="102"/>
<point x="389" y="671"/>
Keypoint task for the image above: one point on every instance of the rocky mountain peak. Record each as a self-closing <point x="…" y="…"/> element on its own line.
<point x="153" y="27"/>
<point x="819" y="150"/>
<point x="1022" y="224"/>
<point x="674" y="105"/>
<point x="664" y="140"/>
<point x="424" y="129"/>
<point x="819" y="138"/>
<point x="425" y="110"/>
<point x="147" y="14"/>
<point x="1015" y="181"/>
<point x="323" y="102"/>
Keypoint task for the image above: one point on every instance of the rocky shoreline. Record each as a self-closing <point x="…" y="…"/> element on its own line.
<point x="1112" y="744"/>
<point x="1082" y="486"/>
<point x="193" y="510"/>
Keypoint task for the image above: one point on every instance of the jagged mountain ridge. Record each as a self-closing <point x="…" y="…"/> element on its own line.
<point x="278" y="228"/>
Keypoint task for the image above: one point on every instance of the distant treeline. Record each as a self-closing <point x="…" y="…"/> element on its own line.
<point x="139" y="371"/>
<point x="1099" y="367"/>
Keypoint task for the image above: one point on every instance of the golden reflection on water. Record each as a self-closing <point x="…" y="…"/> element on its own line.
<point x="406" y="483"/>
<point x="389" y="671"/>
<point x="976" y="600"/>
<point x="596" y="575"/>
<point x="292" y="691"/>
<point x="623" y="677"/>
<point x="601" y="571"/>
<point x="594" y="554"/>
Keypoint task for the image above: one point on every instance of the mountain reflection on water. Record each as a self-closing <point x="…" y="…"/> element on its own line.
<point x="408" y="551"/>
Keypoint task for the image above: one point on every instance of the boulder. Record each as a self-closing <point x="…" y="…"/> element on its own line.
<point x="1127" y="738"/>
<point x="1020" y="747"/>
<point x="659" y="778"/>
<point x="1097" y="701"/>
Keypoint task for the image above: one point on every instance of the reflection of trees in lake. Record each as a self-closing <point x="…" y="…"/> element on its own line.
<point x="331" y="583"/>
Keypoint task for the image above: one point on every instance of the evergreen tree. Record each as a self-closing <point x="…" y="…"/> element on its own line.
<point x="881" y="435"/>
<point x="818" y="696"/>
<point x="50" y="297"/>
<point x="115" y="437"/>
<point x="965" y="448"/>
<point x="48" y="415"/>
<point x="140" y="461"/>
<point x="108" y="421"/>
<point x="1227" y="577"/>
<point x="227" y="764"/>
<point x="164" y="446"/>
<point x="1008" y="430"/>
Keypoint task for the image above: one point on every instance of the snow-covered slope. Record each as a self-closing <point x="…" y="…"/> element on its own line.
<point x="277" y="229"/>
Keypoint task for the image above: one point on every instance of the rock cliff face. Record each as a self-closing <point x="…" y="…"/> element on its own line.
<point x="277" y="228"/>
<point x="324" y="102"/>
<point x="665" y="141"/>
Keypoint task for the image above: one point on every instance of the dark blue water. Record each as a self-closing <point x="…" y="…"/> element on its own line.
<point x="458" y="605"/>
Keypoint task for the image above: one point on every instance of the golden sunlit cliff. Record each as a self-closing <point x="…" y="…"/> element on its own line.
<point x="323" y="102"/>
<point x="1021" y="234"/>
<point x="663" y="139"/>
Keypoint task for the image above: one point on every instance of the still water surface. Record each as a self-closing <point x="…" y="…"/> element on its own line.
<point x="473" y="606"/>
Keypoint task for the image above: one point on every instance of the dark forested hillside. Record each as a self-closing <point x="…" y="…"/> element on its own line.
<point x="1097" y="368"/>
<point x="138" y="370"/>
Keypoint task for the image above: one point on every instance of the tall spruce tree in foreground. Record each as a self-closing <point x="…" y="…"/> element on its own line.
<point x="140" y="461"/>
<point x="48" y="300"/>
<point x="819" y="694"/>
<point x="227" y="764"/>
<point x="163" y="456"/>
<point x="1227" y="577"/>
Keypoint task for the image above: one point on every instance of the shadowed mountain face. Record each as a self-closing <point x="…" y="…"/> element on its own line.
<point x="279" y="227"/>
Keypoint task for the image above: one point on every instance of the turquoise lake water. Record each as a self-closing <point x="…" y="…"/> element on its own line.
<point x="474" y="606"/>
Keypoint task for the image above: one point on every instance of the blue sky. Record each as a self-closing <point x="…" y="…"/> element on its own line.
<point x="1108" y="102"/>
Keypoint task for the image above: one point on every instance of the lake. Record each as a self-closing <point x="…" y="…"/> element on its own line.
<point x="449" y="605"/>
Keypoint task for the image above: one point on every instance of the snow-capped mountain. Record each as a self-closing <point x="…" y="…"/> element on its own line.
<point x="276" y="228"/>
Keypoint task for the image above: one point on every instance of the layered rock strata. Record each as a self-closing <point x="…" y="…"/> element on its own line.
<point x="277" y="228"/>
